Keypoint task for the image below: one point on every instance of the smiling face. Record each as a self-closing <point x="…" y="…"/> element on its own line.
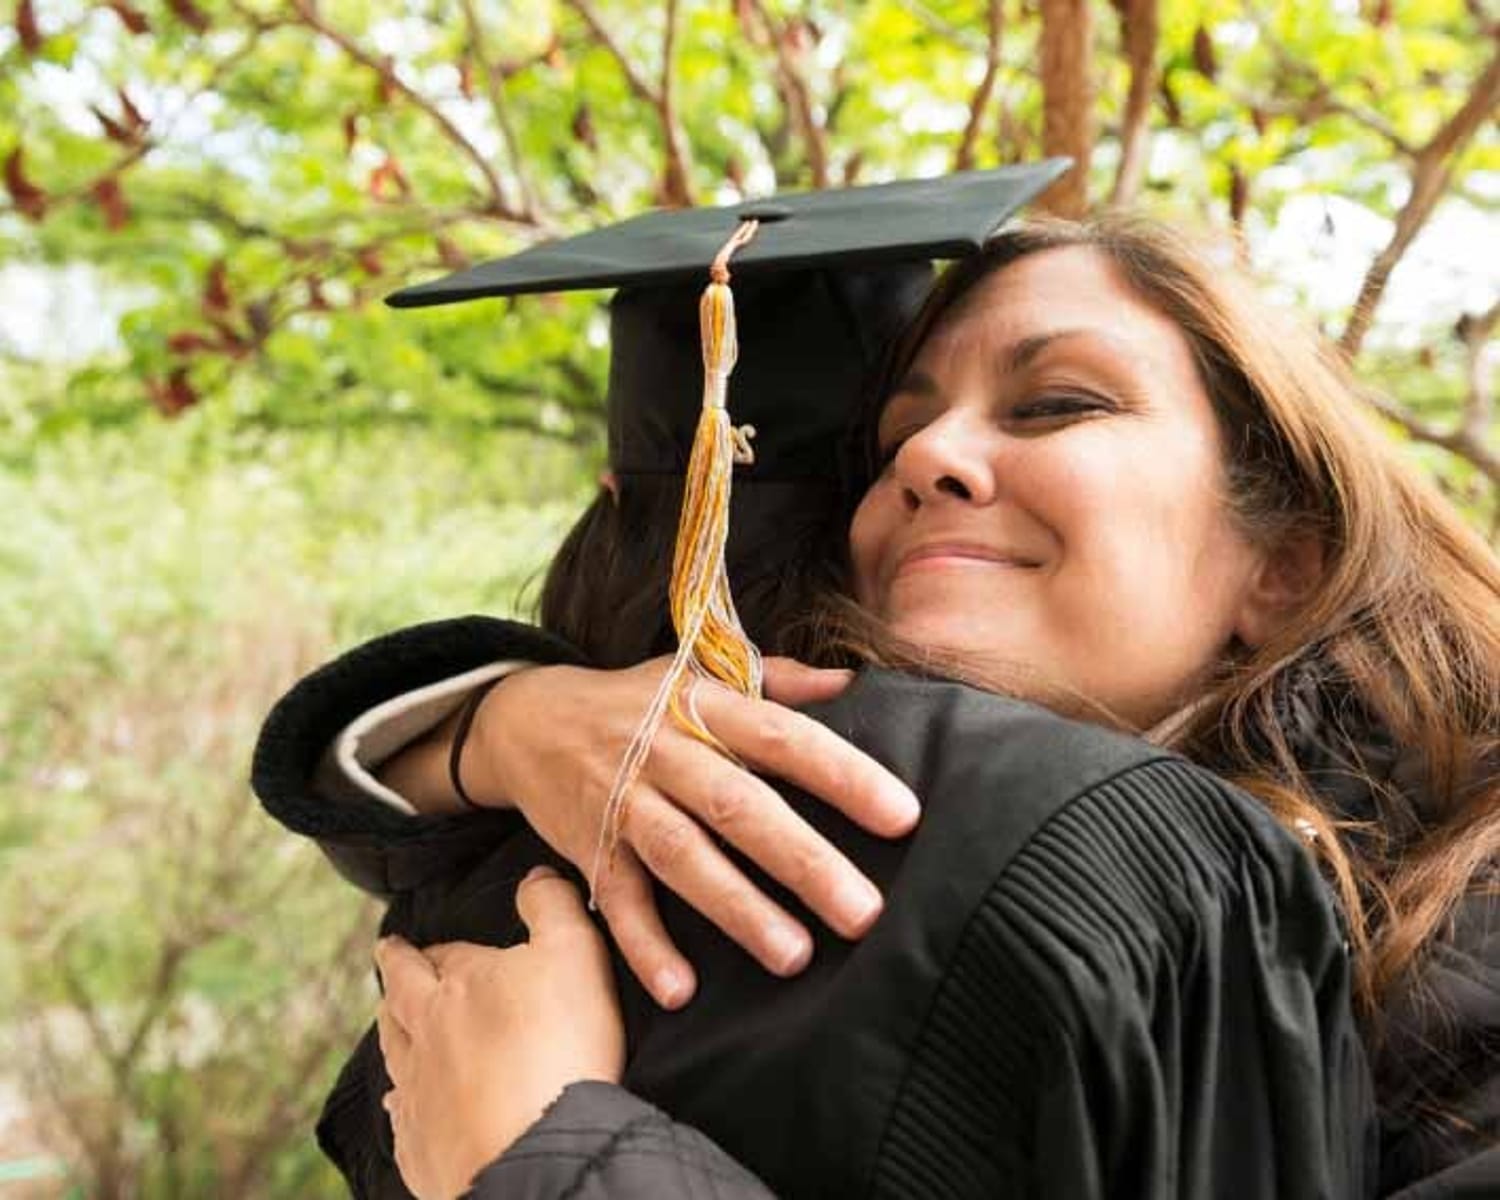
<point x="1053" y="496"/>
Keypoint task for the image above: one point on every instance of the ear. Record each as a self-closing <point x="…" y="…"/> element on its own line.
<point x="610" y="484"/>
<point x="1279" y="585"/>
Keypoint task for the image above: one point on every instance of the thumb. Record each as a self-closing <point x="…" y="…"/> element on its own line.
<point x="548" y="904"/>
<point x="794" y="683"/>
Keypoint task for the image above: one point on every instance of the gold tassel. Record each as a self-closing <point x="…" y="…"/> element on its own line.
<point x="711" y="642"/>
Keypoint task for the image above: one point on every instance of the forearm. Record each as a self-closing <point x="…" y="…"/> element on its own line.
<point x="424" y="772"/>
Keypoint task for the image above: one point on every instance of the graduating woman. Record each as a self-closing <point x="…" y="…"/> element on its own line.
<point x="1247" y="594"/>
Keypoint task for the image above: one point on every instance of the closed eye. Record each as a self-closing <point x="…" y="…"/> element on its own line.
<point x="1061" y="404"/>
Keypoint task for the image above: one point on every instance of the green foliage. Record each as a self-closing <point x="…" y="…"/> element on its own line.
<point x="178" y="977"/>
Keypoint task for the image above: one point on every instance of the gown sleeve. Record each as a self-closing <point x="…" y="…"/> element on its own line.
<point x="1152" y="1000"/>
<point x="379" y="849"/>
<point x="599" y="1142"/>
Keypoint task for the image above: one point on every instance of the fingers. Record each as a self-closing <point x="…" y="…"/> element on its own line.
<point x="794" y="684"/>
<point x="395" y="1044"/>
<point x="794" y="747"/>
<point x="626" y="900"/>
<point x="549" y="906"/>
<point x="752" y="816"/>
<point x="409" y="979"/>
<point x="675" y="849"/>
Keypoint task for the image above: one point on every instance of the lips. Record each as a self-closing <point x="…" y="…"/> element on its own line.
<point x="957" y="553"/>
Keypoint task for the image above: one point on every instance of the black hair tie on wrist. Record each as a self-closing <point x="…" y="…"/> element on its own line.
<point x="461" y="735"/>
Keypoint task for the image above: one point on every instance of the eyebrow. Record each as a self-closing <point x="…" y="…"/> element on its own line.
<point x="1027" y="350"/>
<point x="922" y="385"/>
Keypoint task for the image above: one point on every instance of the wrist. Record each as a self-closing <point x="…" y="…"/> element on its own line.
<point x="480" y="761"/>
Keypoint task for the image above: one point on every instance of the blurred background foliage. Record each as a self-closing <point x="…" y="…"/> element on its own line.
<point x="221" y="459"/>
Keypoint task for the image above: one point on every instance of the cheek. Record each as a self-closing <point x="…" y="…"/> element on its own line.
<point x="869" y="532"/>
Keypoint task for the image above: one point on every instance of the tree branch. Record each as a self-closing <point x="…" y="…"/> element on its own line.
<point x="796" y="94"/>
<point x="1429" y="179"/>
<point x="963" y="160"/>
<point x="634" y="78"/>
<point x="676" y="190"/>
<point x="494" y="86"/>
<point x="1456" y="441"/>
<point x="499" y="205"/>
<point x="676" y="169"/>
<point x="1140" y="28"/>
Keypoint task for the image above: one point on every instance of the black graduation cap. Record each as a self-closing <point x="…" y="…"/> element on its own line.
<point x="908" y="221"/>
<point x="821" y="290"/>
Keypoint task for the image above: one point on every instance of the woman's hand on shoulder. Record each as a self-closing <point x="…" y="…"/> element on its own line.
<point x="550" y="740"/>
<point x="479" y="1041"/>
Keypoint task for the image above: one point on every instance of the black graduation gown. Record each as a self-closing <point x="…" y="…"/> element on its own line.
<point x="1101" y="971"/>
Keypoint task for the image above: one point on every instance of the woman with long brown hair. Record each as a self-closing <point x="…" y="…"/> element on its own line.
<point x="1046" y="506"/>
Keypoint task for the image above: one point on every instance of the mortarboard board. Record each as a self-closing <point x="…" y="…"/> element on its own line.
<point x="826" y="281"/>
<point x="826" y="284"/>
<point x="908" y="221"/>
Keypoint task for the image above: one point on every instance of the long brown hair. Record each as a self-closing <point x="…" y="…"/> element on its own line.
<point x="1405" y="618"/>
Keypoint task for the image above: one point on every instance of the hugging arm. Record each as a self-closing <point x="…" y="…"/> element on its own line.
<point x="548" y="742"/>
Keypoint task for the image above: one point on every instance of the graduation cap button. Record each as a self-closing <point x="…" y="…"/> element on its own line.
<point x="764" y="213"/>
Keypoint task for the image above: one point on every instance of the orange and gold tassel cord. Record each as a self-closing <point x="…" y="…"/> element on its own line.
<point x="711" y="642"/>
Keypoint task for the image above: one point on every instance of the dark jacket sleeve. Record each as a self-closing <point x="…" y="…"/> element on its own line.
<point x="1438" y="1069"/>
<point x="375" y="847"/>
<point x="599" y="1142"/>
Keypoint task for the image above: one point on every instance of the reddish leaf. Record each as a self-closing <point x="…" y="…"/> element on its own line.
<point x="734" y="171"/>
<point x="385" y="81"/>
<point x="388" y="174"/>
<point x="1380" y="13"/>
<point x="231" y="341"/>
<point x="132" y="18"/>
<point x="258" y="313"/>
<point x="1204" y="57"/>
<point x="190" y="15"/>
<point x="450" y="255"/>
<point x="113" y="130"/>
<point x="1239" y="195"/>
<point x="110" y="198"/>
<point x="1169" y="102"/>
<point x="316" y="301"/>
<point x="351" y="132"/>
<point x="187" y="341"/>
<point x="853" y="167"/>
<point x="134" y="121"/>
<point x="174" y="395"/>
<point x="555" y="57"/>
<point x="1259" y="120"/>
<point x="466" y="79"/>
<point x="29" y="199"/>
<point x="369" y="260"/>
<point x="26" y="27"/>
<point x="583" y="127"/>
<point x="129" y="128"/>
<point x="216" y="297"/>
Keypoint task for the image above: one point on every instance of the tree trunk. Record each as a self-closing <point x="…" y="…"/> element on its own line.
<point x="1067" y="108"/>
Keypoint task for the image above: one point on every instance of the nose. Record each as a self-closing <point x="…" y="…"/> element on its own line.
<point x="945" y="460"/>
